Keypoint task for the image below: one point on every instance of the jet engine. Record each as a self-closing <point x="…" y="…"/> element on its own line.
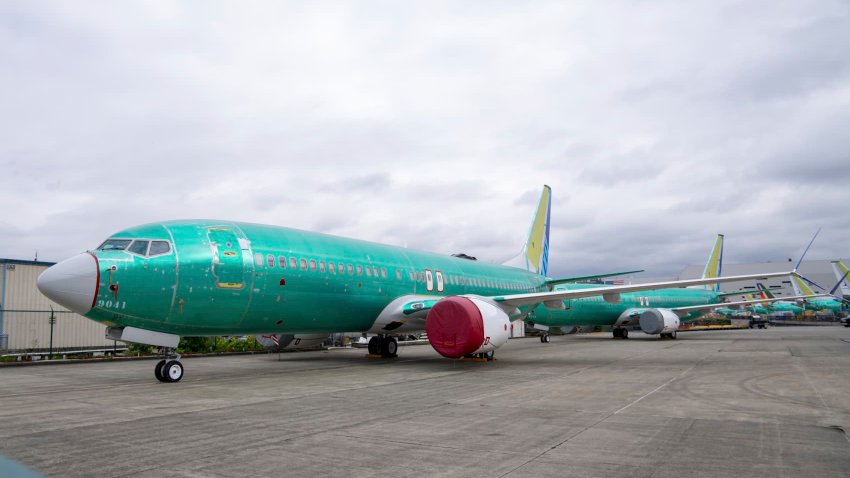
<point x="659" y="321"/>
<point x="464" y="325"/>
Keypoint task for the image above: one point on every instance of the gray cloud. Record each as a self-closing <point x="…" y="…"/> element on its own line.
<point x="433" y="125"/>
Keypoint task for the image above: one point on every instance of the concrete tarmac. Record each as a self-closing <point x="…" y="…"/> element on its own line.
<point x="766" y="403"/>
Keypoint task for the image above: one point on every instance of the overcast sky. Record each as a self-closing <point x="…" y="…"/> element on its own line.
<point x="434" y="125"/>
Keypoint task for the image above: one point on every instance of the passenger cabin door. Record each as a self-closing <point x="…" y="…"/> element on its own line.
<point x="228" y="267"/>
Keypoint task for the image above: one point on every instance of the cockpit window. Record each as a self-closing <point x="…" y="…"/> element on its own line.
<point x="159" y="247"/>
<point x="139" y="247"/>
<point x="114" y="245"/>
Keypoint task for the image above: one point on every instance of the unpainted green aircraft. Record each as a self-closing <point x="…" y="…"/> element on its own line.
<point x="654" y="311"/>
<point x="784" y="305"/>
<point x="823" y="303"/>
<point x="154" y="283"/>
<point x="764" y="302"/>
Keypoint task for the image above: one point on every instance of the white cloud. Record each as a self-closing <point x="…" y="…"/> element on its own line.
<point x="432" y="124"/>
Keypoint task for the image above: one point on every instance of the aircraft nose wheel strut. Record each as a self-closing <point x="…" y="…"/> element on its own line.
<point x="169" y="369"/>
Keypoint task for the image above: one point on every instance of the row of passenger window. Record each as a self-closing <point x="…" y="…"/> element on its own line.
<point x="342" y="268"/>
<point x="312" y="265"/>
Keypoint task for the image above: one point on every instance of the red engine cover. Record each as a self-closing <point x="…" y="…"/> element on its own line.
<point x="455" y="327"/>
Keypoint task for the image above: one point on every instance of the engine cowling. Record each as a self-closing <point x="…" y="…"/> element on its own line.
<point x="659" y="321"/>
<point x="463" y="325"/>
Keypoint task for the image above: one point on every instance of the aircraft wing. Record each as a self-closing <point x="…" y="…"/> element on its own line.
<point x="716" y="305"/>
<point x="612" y="293"/>
<point x="554" y="282"/>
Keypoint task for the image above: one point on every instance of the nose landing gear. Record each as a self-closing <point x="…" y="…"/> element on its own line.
<point x="169" y="369"/>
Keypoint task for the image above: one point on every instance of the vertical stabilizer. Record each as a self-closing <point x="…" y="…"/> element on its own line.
<point x="714" y="266"/>
<point x="800" y="287"/>
<point x="764" y="292"/>
<point x="535" y="252"/>
<point x="840" y="271"/>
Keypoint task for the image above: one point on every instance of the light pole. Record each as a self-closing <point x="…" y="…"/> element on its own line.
<point x="52" y="323"/>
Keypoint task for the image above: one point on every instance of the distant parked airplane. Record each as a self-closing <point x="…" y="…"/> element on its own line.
<point x="782" y="305"/>
<point x="655" y="311"/>
<point x="824" y="303"/>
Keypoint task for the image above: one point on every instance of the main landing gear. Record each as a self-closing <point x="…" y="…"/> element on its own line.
<point x="671" y="336"/>
<point x="544" y="338"/>
<point x="481" y="357"/>
<point x="383" y="345"/>
<point x="621" y="333"/>
<point x="169" y="369"/>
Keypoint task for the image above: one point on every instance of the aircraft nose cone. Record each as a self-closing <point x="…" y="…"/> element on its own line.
<point x="71" y="283"/>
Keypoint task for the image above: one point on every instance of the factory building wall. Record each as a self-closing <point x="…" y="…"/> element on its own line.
<point x="819" y="271"/>
<point x="26" y="313"/>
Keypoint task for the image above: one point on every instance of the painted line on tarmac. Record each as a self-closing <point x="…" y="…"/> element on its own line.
<point x="668" y="382"/>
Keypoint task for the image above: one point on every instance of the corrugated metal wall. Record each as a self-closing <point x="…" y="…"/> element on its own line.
<point x="27" y="314"/>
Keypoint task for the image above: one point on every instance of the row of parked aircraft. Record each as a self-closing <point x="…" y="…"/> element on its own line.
<point x="154" y="283"/>
<point x="766" y="302"/>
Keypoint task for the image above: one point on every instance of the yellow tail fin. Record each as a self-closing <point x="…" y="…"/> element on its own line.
<point x="714" y="266"/>
<point x="535" y="253"/>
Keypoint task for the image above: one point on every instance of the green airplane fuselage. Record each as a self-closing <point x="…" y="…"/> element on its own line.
<point x="831" y="305"/>
<point x="227" y="278"/>
<point x="786" y="307"/>
<point x="596" y="311"/>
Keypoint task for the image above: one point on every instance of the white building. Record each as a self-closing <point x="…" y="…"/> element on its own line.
<point x="819" y="271"/>
<point x="25" y="314"/>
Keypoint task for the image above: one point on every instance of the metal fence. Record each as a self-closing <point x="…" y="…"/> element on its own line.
<point x="40" y="330"/>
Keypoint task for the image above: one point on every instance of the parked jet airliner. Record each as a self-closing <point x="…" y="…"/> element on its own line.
<point x="654" y="311"/>
<point x="153" y="283"/>
<point x="828" y="303"/>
